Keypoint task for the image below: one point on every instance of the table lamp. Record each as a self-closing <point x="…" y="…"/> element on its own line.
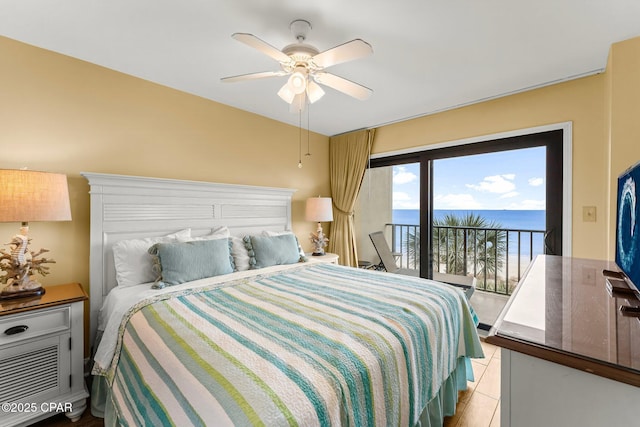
<point x="319" y="210"/>
<point x="28" y="196"/>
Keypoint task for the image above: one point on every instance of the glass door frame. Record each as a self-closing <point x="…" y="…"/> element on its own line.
<point x="557" y="139"/>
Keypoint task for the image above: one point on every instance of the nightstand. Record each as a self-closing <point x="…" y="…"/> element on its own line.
<point x="41" y="356"/>
<point x="327" y="257"/>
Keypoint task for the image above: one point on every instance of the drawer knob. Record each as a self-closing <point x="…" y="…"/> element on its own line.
<point x="16" y="330"/>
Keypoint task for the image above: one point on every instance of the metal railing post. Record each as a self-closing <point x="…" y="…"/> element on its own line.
<point x="464" y="248"/>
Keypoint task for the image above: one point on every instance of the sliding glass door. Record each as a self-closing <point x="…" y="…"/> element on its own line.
<point x="511" y="189"/>
<point x="489" y="215"/>
<point x="483" y="210"/>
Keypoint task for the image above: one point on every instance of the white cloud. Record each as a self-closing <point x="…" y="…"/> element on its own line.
<point x="400" y="196"/>
<point x="402" y="200"/>
<point x="456" y="201"/>
<point x="496" y="184"/>
<point x="528" y="205"/>
<point x="401" y="176"/>
<point x="509" y="195"/>
<point x="536" y="182"/>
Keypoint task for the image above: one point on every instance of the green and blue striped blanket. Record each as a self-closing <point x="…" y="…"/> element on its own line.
<point x="316" y="345"/>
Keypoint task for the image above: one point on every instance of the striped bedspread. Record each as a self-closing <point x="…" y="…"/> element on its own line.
<point x="317" y="345"/>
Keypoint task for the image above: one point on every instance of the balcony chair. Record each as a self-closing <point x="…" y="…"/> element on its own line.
<point x="388" y="261"/>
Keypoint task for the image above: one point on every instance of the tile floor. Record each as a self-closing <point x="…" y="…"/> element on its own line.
<point x="479" y="405"/>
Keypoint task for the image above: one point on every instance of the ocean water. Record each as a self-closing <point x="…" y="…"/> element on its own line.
<point x="512" y="219"/>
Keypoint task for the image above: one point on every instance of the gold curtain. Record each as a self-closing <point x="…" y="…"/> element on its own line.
<point x="348" y="158"/>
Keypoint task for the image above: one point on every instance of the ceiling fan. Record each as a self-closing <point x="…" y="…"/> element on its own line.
<point x="305" y="65"/>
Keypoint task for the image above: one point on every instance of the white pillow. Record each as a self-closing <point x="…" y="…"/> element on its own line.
<point x="133" y="262"/>
<point x="216" y="233"/>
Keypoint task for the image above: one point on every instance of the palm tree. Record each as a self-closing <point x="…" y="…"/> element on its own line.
<point x="463" y="241"/>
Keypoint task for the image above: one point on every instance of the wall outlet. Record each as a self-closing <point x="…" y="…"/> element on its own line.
<point x="589" y="213"/>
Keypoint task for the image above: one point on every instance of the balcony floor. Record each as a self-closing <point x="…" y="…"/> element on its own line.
<point x="488" y="305"/>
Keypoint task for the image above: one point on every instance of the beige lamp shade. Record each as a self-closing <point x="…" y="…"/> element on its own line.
<point x="319" y="209"/>
<point x="27" y="195"/>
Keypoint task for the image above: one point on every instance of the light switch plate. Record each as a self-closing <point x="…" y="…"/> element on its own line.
<point x="589" y="213"/>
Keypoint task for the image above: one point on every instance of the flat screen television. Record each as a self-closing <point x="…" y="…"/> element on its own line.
<point x="628" y="225"/>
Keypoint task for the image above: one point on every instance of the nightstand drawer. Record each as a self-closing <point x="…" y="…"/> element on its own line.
<point x="20" y="327"/>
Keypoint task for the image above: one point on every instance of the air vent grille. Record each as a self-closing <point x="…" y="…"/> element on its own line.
<point x="29" y="373"/>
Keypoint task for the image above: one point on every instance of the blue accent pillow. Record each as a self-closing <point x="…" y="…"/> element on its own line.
<point x="265" y="251"/>
<point x="176" y="263"/>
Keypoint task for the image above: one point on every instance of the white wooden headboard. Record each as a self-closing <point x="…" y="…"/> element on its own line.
<point x="128" y="207"/>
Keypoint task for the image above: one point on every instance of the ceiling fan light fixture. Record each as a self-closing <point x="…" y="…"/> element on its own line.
<point x="314" y="91"/>
<point x="298" y="81"/>
<point x="286" y="94"/>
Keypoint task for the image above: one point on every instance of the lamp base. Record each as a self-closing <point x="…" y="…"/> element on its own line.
<point x="319" y="241"/>
<point x="19" y="264"/>
<point x="10" y="293"/>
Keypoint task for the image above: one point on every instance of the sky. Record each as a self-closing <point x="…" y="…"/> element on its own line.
<point x="512" y="179"/>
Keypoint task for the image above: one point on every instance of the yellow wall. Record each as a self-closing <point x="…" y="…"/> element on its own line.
<point x="624" y="119"/>
<point x="60" y="114"/>
<point x="580" y="101"/>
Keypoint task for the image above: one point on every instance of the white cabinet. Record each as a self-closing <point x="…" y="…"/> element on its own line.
<point x="536" y="392"/>
<point x="569" y="357"/>
<point x="41" y="356"/>
<point x="328" y="258"/>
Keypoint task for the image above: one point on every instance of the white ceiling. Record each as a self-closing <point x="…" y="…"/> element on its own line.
<point x="429" y="55"/>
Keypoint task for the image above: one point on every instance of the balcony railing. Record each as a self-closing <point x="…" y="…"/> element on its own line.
<point x="496" y="257"/>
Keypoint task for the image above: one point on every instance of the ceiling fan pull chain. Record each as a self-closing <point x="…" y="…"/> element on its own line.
<point x="308" y="129"/>
<point x="299" y="139"/>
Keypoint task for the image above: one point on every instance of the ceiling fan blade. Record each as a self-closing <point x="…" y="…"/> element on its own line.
<point x="262" y="46"/>
<point x="343" y="85"/>
<point x="253" y="76"/>
<point x="345" y="52"/>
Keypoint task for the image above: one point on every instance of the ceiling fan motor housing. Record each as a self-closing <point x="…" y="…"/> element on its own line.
<point x="300" y="28"/>
<point x="300" y="55"/>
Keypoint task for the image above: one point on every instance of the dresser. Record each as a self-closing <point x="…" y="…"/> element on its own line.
<point x="569" y="357"/>
<point x="41" y="356"/>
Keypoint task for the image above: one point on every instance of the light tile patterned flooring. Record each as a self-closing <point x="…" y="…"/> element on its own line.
<point x="479" y="405"/>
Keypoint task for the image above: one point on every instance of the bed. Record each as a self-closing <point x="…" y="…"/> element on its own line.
<point x="287" y="343"/>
